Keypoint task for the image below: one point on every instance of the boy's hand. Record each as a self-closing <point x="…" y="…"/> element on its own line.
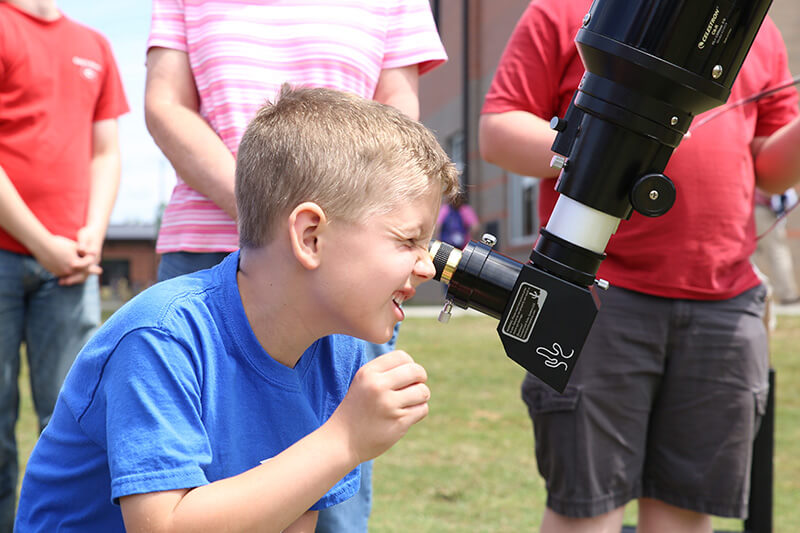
<point x="386" y="397"/>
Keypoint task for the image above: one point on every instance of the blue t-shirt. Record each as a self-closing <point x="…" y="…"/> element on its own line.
<point x="174" y="392"/>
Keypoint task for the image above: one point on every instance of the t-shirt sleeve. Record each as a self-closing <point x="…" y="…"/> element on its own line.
<point x="111" y="102"/>
<point x="412" y="37"/>
<point x="531" y="66"/>
<point x="149" y="396"/>
<point x="776" y="110"/>
<point x="167" y="25"/>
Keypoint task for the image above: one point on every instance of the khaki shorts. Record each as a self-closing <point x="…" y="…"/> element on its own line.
<point x="664" y="403"/>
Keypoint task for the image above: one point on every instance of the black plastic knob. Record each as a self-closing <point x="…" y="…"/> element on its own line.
<point x="653" y="195"/>
<point x="558" y="124"/>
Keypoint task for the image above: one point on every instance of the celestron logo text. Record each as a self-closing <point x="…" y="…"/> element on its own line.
<point x="707" y="33"/>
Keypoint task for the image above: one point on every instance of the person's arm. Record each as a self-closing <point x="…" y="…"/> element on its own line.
<point x="517" y="141"/>
<point x="537" y="66"/>
<point x="196" y="152"/>
<point x="399" y="87"/>
<point x="58" y="255"/>
<point x="386" y="397"/>
<point x="777" y="158"/>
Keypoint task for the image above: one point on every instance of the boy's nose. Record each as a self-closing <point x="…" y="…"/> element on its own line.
<point x="424" y="267"/>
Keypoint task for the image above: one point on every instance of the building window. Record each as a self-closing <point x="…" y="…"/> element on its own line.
<point x="454" y="146"/>
<point x="523" y="213"/>
<point x="114" y="270"/>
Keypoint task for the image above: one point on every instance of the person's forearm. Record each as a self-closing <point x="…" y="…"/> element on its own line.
<point x="17" y="219"/>
<point x="279" y="490"/>
<point x="399" y="88"/>
<point x="518" y="142"/>
<point x="777" y="161"/>
<point x="408" y="103"/>
<point x="105" y="176"/>
<point x="268" y="497"/>
<point x="195" y="151"/>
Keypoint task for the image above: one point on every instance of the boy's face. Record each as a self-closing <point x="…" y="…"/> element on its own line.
<point x="373" y="267"/>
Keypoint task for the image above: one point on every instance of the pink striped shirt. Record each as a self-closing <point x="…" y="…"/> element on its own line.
<point x="241" y="52"/>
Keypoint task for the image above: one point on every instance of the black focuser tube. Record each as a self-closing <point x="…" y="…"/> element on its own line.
<point x="477" y="276"/>
<point x="543" y="319"/>
<point x="565" y="260"/>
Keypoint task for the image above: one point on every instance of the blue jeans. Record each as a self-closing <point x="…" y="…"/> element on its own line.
<point x="351" y="516"/>
<point x="54" y="322"/>
<point x="174" y="264"/>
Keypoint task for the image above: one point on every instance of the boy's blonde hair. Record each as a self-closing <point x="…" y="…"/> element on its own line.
<point x="353" y="157"/>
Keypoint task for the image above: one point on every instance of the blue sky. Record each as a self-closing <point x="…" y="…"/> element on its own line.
<point x="147" y="177"/>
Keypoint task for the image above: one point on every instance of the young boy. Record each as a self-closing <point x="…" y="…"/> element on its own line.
<point x="222" y="400"/>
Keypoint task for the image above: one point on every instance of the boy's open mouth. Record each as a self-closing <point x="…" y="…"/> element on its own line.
<point x="398" y="300"/>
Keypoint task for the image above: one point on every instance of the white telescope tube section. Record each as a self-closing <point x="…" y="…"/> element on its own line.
<point x="582" y="225"/>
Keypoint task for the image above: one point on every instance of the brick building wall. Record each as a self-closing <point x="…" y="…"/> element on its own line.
<point x="130" y="262"/>
<point x="139" y="257"/>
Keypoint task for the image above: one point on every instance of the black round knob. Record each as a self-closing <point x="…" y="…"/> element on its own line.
<point x="558" y="124"/>
<point x="653" y="195"/>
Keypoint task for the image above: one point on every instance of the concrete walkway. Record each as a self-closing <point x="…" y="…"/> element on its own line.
<point x="432" y="311"/>
<point x="793" y="309"/>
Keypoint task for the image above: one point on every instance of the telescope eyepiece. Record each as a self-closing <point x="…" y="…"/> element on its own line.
<point x="445" y="259"/>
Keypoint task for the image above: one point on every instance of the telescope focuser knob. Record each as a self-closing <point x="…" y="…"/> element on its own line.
<point x="653" y="195"/>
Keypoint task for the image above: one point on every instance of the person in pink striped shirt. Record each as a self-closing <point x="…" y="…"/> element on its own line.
<point x="212" y="64"/>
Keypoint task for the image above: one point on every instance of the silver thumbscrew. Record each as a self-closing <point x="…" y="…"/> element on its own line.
<point x="444" y="314"/>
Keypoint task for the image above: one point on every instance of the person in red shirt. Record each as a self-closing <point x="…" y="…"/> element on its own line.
<point x="666" y="399"/>
<point x="60" y="96"/>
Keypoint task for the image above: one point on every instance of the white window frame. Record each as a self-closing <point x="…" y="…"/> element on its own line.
<point x="523" y="209"/>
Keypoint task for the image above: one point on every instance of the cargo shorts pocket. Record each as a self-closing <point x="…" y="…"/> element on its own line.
<point x="541" y="399"/>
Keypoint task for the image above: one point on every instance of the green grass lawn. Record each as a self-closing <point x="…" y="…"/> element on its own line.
<point x="469" y="466"/>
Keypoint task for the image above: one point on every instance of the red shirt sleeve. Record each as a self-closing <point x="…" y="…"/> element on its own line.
<point x="776" y="110"/>
<point x="111" y="102"/>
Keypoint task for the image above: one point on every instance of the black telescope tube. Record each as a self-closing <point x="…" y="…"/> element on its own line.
<point x="651" y="66"/>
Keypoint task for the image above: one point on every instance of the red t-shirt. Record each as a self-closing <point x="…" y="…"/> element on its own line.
<point x="56" y="79"/>
<point x="701" y="248"/>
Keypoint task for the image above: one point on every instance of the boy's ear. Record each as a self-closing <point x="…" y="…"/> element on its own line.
<point x="307" y="221"/>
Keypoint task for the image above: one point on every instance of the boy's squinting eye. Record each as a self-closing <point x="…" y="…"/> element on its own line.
<point x="418" y="242"/>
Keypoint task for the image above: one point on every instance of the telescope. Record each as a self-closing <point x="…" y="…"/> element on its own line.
<point x="650" y="67"/>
